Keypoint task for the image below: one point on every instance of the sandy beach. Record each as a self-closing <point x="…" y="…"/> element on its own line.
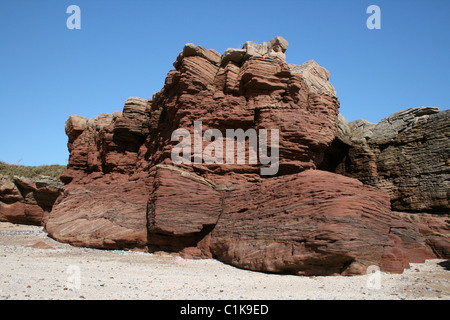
<point x="35" y="267"/>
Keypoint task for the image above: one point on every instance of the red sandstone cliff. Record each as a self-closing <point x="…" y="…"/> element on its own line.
<point x="124" y="192"/>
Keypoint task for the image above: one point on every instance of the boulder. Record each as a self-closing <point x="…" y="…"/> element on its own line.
<point x="106" y="213"/>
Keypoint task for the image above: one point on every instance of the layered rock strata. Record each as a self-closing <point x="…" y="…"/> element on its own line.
<point x="124" y="191"/>
<point x="27" y="200"/>
<point x="406" y="155"/>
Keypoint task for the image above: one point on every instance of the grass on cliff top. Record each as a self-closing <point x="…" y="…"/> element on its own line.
<point x="10" y="170"/>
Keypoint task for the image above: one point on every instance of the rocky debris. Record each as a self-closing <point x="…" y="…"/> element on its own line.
<point x="27" y="200"/>
<point x="124" y="191"/>
<point x="41" y="245"/>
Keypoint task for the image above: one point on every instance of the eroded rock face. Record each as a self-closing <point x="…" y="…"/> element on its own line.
<point x="315" y="77"/>
<point x="312" y="223"/>
<point x="124" y="191"/>
<point x="407" y="155"/>
<point x="27" y="201"/>
<point x="176" y="229"/>
<point x="108" y="213"/>
<point x="249" y="88"/>
<point x="435" y="230"/>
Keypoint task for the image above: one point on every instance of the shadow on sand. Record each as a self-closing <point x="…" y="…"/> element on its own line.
<point x="445" y="264"/>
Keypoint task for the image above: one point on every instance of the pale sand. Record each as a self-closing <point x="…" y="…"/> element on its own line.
<point x="34" y="273"/>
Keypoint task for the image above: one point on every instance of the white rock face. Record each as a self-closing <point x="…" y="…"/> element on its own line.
<point x="388" y="128"/>
<point x="361" y="130"/>
<point x="315" y="77"/>
<point x="275" y="48"/>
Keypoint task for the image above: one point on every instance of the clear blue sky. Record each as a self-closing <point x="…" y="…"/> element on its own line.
<point x="125" y="48"/>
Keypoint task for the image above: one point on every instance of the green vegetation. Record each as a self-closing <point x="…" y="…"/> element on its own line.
<point x="10" y="170"/>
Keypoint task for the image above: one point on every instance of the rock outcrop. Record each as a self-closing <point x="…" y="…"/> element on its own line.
<point x="313" y="223"/>
<point x="408" y="155"/>
<point x="27" y="200"/>
<point x="123" y="190"/>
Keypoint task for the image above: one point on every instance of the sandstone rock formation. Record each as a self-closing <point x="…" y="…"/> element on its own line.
<point x="313" y="223"/>
<point x="124" y="191"/>
<point x="408" y="155"/>
<point x="27" y="201"/>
